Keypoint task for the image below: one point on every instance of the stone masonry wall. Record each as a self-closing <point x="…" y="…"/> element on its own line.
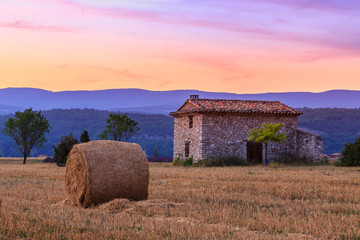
<point x="308" y="145"/>
<point x="227" y="134"/>
<point x="216" y="135"/>
<point x="183" y="134"/>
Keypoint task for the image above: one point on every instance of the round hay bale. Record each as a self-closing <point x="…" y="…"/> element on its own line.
<point x="100" y="171"/>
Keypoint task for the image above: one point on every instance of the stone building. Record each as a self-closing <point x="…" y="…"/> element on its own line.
<point x="212" y="128"/>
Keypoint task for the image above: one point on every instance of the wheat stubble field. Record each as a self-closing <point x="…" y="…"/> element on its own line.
<point x="188" y="203"/>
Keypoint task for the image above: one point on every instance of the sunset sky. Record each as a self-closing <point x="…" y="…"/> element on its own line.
<point x="240" y="46"/>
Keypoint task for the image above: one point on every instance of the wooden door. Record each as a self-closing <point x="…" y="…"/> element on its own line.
<point x="254" y="153"/>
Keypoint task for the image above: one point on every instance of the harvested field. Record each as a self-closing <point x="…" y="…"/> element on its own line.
<point x="187" y="203"/>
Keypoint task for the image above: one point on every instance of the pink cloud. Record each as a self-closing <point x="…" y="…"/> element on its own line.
<point x="163" y="84"/>
<point x="36" y="27"/>
<point x="125" y="73"/>
<point x="107" y="11"/>
<point x="227" y="64"/>
<point x="87" y="80"/>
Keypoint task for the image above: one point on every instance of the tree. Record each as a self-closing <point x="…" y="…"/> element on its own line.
<point x="119" y="127"/>
<point x="62" y="150"/>
<point x="155" y="152"/>
<point x="28" y="129"/>
<point x="269" y="133"/>
<point x="351" y="154"/>
<point x="84" y="137"/>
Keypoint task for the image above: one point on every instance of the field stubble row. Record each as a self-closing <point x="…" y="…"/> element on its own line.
<point x="188" y="203"/>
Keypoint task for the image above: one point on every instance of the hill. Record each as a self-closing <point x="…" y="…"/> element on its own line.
<point x="156" y="130"/>
<point x="336" y="126"/>
<point x="145" y="101"/>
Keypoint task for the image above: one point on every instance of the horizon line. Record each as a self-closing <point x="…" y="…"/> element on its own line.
<point x="172" y="90"/>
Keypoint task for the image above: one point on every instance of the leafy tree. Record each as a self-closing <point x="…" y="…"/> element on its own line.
<point x="84" y="137"/>
<point x="119" y="127"/>
<point x="351" y="154"/>
<point x="156" y="152"/>
<point x="62" y="150"/>
<point x="268" y="133"/>
<point x="28" y="129"/>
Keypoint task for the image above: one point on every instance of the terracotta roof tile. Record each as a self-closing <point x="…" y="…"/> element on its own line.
<point x="235" y="106"/>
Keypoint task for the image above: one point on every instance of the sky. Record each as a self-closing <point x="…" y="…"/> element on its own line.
<point x="239" y="46"/>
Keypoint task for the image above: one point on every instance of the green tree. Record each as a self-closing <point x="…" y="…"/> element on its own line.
<point x="268" y="133"/>
<point x="155" y="152"/>
<point x="119" y="127"/>
<point x="62" y="150"/>
<point x="28" y="129"/>
<point x="84" y="137"/>
<point x="351" y="154"/>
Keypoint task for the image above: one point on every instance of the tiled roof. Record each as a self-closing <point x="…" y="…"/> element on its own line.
<point x="235" y="106"/>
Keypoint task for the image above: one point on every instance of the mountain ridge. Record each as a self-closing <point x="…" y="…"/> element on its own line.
<point x="147" y="101"/>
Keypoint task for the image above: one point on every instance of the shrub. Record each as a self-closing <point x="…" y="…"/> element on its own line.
<point x="84" y="137"/>
<point x="177" y="160"/>
<point x="62" y="150"/>
<point x="294" y="160"/>
<point x="351" y="154"/>
<point x="180" y="161"/>
<point x="188" y="161"/>
<point x="156" y="152"/>
<point x="222" y="161"/>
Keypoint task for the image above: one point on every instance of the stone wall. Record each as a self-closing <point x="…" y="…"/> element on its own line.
<point x="308" y="145"/>
<point x="227" y="134"/>
<point x="221" y="135"/>
<point x="183" y="134"/>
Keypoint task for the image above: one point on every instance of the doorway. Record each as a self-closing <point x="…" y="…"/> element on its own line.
<point x="254" y="153"/>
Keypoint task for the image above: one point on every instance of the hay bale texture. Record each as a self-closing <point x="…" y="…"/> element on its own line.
<point x="100" y="171"/>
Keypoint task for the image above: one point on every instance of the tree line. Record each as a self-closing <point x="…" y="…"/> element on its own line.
<point x="28" y="130"/>
<point x="335" y="125"/>
<point x="156" y="130"/>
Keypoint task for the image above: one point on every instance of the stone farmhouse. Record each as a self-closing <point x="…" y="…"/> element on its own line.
<point x="211" y="128"/>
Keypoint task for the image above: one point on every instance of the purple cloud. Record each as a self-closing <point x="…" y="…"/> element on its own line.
<point x="325" y="5"/>
<point x="327" y="25"/>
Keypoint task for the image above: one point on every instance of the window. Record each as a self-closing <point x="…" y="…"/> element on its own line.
<point x="187" y="149"/>
<point x="191" y="121"/>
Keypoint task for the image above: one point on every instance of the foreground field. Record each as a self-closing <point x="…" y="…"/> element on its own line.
<point x="188" y="203"/>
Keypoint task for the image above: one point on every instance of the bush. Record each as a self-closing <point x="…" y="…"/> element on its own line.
<point x="177" y="160"/>
<point x="84" y="137"/>
<point x="351" y="154"/>
<point x="156" y="152"/>
<point x="222" y="161"/>
<point x="63" y="149"/>
<point x="295" y="160"/>
<point x="180" y="161"/>
<point x="188" y="161"/>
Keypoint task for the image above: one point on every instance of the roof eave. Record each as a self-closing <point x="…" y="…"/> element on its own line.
<point x="178" y="113"/>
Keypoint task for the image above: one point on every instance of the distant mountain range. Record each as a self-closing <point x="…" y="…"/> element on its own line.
<point x="145" y="101"/>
